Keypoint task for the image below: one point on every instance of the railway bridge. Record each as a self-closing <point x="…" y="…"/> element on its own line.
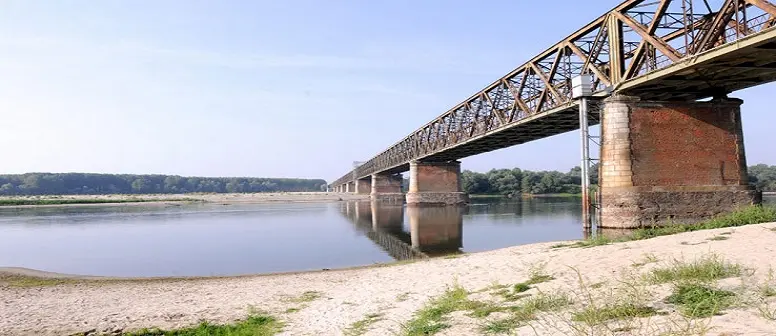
<point x="662" y="70"/>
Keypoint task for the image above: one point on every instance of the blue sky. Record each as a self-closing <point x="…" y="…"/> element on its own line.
<point x="270" y="88"/>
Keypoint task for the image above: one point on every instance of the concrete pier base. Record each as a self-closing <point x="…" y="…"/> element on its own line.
<point x="386" y="188"/>
<point x="435" y="184"/>
<point x="364" y="186"/>
<point x="665" y="163"/>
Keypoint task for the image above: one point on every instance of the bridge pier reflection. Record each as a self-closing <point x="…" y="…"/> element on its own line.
<point x="436" y="230"/>
<point x="432" y="231"/>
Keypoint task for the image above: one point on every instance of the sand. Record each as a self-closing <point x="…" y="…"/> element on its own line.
<point x="395" y="291"/>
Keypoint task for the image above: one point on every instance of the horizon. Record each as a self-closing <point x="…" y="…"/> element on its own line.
<point x="215" y="90"/>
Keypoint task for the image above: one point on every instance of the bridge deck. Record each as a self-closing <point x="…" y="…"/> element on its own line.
<point x="656" y="50"/>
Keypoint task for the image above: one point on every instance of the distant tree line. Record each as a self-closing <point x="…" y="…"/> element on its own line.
<point x="79" y="183"/>
<point x="763" y="177"/>
<point x="516" y="181"/>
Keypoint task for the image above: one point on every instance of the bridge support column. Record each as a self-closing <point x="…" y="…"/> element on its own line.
<point x="671" y="162"/>
<point x="364" y="186"/>
<point x="350" y="187"/>
<point x="435" y="183"/>
<point x="387" y="188"/>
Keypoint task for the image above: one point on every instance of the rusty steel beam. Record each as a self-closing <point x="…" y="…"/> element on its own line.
<point x="632" y="41"/>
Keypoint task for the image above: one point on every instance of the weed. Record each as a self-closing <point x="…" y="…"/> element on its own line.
<point x="403" y="296"/>
<point x="292" y="310"/>
<point x="705" y="269"/>
<point x="362" y="326"/>
<point x="257" y="325"/>
<point x="597" y="315"/>
<point x="767" y="311"/>
<point x="521" y="287"/>
<point x="307" y="296"/>
<point x="695" y="300"/>
<point x="749" y="215"/>
<point x="522" y="314"/>
<point x="648" y="258"/>
<point x="545" y="302"/>
<point x="715" y="238"/>
<point x="539" y="278"/>
<point x="431" y="318"/>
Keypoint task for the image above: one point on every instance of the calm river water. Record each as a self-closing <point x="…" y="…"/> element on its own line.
<point x="243" y="239"/>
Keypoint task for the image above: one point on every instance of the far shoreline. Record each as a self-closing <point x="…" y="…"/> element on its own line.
<point x="116" y="200"/>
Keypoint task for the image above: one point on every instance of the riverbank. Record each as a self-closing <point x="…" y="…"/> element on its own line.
<point x="166" y="199"/>
<point x="545" y="289"/>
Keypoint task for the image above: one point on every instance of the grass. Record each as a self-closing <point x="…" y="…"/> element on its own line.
<point x="719" y="238"/>
<point x="360" y="327"/>
<point x="705" y="269"/>
<point x="22" y="281"/>
<point x="432" y="318"/>
<point x="307" y="296"/>
<point x="18" y="202"/>
<point x="403" y="297"/>
<point x="749" y="215"/>
<point x="292" y="310"/>
<point x="256" y="325"/>
<point x="536" y="278"/>
<point x="648" y="258"/>
<point x="696" y="300"/>
<point x="597" y="315"/>
<point x="524" y="313"/>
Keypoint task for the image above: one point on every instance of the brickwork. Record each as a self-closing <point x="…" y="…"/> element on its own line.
<point x="666" y="162"/>
<point x="386" y="183"/>
<point x="364" y="186"/>
<point x="435" y="183"/>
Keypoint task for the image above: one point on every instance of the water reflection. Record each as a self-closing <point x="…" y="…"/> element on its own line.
<point x="432" y="231"/>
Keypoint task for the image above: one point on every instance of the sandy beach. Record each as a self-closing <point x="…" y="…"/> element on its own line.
<point x="330" y="302"/>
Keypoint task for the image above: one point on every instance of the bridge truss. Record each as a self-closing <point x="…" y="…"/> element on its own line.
<point x="634" y="39"/>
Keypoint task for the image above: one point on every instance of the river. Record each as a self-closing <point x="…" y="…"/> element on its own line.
<point x="211" y="239"/>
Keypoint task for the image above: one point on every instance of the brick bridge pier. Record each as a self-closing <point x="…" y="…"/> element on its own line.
<point x="667" y="161"/>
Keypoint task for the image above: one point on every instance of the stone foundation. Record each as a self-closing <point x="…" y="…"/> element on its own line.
<point x="386" y="188"/>
<point x="364" y="186"/>
<point x="639" y="207"/>
<point x="671" y="162"/>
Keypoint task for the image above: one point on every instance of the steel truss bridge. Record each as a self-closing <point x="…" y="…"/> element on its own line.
<point x="654" y="49"/>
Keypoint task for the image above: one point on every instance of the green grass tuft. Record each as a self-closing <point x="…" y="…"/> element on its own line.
<point x="258" y="325"/>
<point x="706" y="269"/>
<point x="749" y="215"/>
<point x="521" y="314"/>
<point x="599" y="315"/>
<point x="539" y="278"/>
<point x="431" y="318"/>
<point x="521" y="287"/>
<point x="360" y="327"/>
<point x="695" y="300"/>
<point x="307" y="296"/>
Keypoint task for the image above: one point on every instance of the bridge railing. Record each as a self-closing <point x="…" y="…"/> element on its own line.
<point x="635" y="38"/>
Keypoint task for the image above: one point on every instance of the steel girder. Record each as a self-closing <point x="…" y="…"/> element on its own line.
<point x="634" y="39"/>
